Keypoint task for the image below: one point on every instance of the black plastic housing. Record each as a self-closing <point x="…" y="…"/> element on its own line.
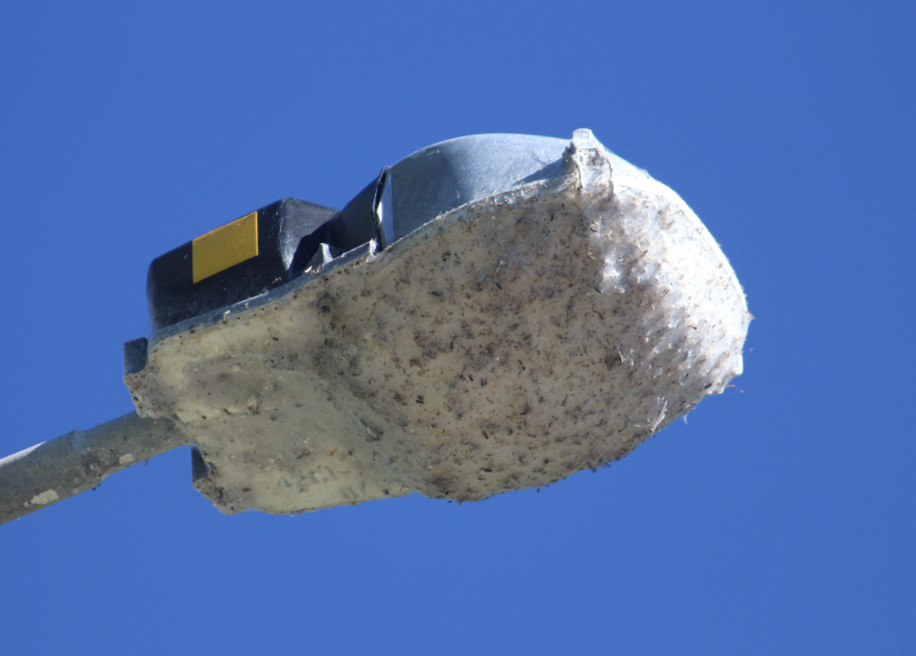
<point x="173" y="295"/>
<point x="291" y="235"/>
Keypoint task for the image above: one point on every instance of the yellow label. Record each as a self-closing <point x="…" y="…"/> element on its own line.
<point x="225" y="247"/>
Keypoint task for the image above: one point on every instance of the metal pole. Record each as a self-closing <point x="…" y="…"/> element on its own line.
<point x="78" y="461"/>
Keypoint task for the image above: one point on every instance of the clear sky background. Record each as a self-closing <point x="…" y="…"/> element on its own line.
<point x="780" y="519"/>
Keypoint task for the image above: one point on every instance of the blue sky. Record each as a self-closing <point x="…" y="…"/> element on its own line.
<point x="780" y="519"/>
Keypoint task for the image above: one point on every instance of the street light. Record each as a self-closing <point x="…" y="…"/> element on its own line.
<point x="492" y="313"/>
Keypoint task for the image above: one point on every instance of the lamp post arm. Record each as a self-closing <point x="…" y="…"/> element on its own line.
<point x="78" y="461"/>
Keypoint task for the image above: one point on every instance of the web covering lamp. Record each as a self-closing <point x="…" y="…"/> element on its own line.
<point x="492" y="313"/>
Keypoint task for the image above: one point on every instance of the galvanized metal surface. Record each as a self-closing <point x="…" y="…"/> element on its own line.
<point x="80" y="460"/>
<point x="518" y="338"/>
<point x="439" y="178"/>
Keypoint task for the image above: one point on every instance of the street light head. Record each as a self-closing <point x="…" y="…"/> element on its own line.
<point x="492" y="313"/>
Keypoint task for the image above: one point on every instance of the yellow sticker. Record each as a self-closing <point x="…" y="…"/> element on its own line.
<point x="225" y="247"/>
